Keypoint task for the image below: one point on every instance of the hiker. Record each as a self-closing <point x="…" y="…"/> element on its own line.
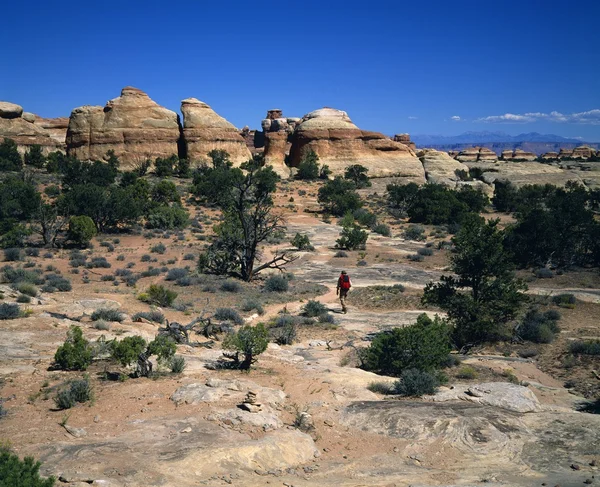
<point x="343" y="286"/>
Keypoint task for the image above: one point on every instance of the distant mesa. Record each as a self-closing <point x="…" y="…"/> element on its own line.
<point x="205" y="130"/>
<point x="27" y="129"/>
<point x="132" y="125"/>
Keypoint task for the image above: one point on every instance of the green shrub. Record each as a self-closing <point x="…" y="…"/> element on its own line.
<point x="14" y="276"/>
<point x="77" y="391"/>
<point x="302" y="242"/>
<point x="352" y="238"/>
<point x="75" y="353"/>
<point x="358" y="175"/>
<point x="308" y="169"/>
<point x="26" y="288"/>
<point x="253" y="304"/>
<point x="176" y="273"/>
<point x="101" y="325"/>
<point x="544" y="273"/>
<point x="416" y="258"/>
<point x="127" y="350"/>
<point x="159" y="248"/>
<point x="178" y="365"/>
<point x="276" y="284"/>
<point x="340" y="254"/>
<point x="585" y="347"/>
<point x="337" y="196"/>
<point x="9" y="311"/>
<point x="381" y="387"/>
<point x="231" y="286"/>
<point x="21" y="473"/>
<point x="416" y="383"/>
<point x="107" y="314"/>
<point x="12" y="255"/>
<point x="424" y="346"/>
<point x="81" y="230"/>
<point x="98" y="263"/>
<point x="23" y="298"/>
<point x="155" y="316"/>
<point x="415" y="232"/>
<point x="564" y="300"/>
<point x="539" y="327"/>
<point x="365" y="217"/>
<point x="164" y="348"/>
<point x="314" y="308"/>
<point x="285" y="333"/>
<point x="168" y="217"/>
<point x="249" y="342"/>
<point x="382" y="229"/>
<point x="56" y="283"/>
<point x="159" y="295"/>
<point x="425" y="251"/>
<point x="228" y="314"/>
<point x="466" y="372"/>
<point x="10" y="159"/>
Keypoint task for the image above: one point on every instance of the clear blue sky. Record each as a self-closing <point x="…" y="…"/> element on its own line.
<point x="394" y="66"/>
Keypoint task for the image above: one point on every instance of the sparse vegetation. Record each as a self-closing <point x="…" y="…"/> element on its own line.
<point x="76" y="391"/>
<point x="245" y="345"/>
<point x="276" y="284"/>
<point x="15" y="472"/>
<point x="158" y="295"/>
<point x="107" y="314"/>
<point x="75" y="353"/>
<point x="416" y="383"/>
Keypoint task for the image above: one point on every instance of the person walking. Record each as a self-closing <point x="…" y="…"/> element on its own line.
<point x="343" y="286"/>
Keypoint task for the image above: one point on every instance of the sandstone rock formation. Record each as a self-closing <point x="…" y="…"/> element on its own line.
<point x="339" y="143"/>
<point x="518" y="155"/>
<point x="440" y="168"/>
<point x="583" y="152"/>
<point x="205" y="130"/>
<point x="27" y="129"/>
<point x="548" y="156"/>
<point x="277" y="131"/>
<point x="477" y="154"/>
<point x="405" y="139"/>
<point x="132" y="125"/>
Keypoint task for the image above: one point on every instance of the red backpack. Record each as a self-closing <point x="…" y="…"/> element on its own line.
<point x="345" y="283"/>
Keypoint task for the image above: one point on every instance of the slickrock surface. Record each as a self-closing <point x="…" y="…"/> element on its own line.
<point x="132" y="125"/>
<point x="205" y="130"/>
<point x="440" y="168"/>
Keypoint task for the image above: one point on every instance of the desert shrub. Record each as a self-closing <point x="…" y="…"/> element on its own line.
<point x="302" y="242"/>
<point x="75" y="353"/>
<point x="15" y="472"/>
<point x="189" y="257"/>
<point x="168" y="217"/>
<point x="77" y="391"/>
<point x="12" y="255"/>
<point x="23" y="298"/>
<point x="150" y="272"/>
<point x="424" y="346"/>
<point x="252" y="304"/>
<point x="308" y="169"/>
<point x="539" y="327"/>
<point x="98" y="263"/>
<point x="231" y="286"/>
<point x="159" y="248"/>
<point x="565" y="300"/>
<point x="314" y="308"/>
<point x="425" y="251"/>
<point x="249" y="342"/>
<point x="108" y="277"/>
<point x="416" y="383"/>
<point x="146" y="258"/>
<point x="56" y="283"/>
<point x="585" y="347"/>
<point x="178" y="365"/>
<point x="365" y="217"/>
<point x="381" y="387"/>
<point x="9" y="311"/>
<point x="14" y="276"/>
<point x="337" y="196"/>
<point x="544" y="273"/>
<point x="340" y="254"/>
<point x="228" y="314"/>
<point x="286" y="333"/>
<point x="155" y="316"/>
<point x="107" y="314"/>
<point x="326" y="318"/>
<point x="81" y="230"/>
<point x="276" y="284"/>
<point x="101" y="325"/>
<point x="352" y="238"/>
<point x="358" y="175"/>
<point x="127" y="350"/>
<point x="528" y="353"/>
<point x="466" y="372"/>
<point x="77" y="261"/>
<point x="159" y="295"/>
<point x="176" y="273"/>
<point x="416" y="258"/>
<point x="414" y="232"/>
<point x="26" y="288"/>
<point x="382" y="229"/>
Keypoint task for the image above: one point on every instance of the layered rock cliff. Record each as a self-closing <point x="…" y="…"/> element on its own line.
<point x="339" y="143"/>
<point x="205" y="130"/>
<point x="133" y="126"/>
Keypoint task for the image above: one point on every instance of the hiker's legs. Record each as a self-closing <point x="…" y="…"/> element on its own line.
<point x="343" y="295"/>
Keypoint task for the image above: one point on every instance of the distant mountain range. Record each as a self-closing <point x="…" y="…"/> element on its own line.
<point x="499" y="141"/>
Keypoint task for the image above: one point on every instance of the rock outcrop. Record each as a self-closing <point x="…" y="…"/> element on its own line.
<point x="477" y="154"/>
<point x="440" y="168"/>
<point x="133" y="126"/>
<point x="339" y="143"/>
<point x="518" y="155"/>
<point x="205" y="130"/>
<point x="277" y="131"/>
<point x="27" y="129"/>
<point x="405" y="139"/>
<point x="583" y="152"/>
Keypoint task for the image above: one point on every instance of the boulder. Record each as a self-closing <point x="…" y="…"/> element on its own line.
<point x="10" y="110"/>
<point x="339" y="143"/>
<point x="204" y="130"/>
<point x="134" y="126"/>
<point x="440" y="168"/>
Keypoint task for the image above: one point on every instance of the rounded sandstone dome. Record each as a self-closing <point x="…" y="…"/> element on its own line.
<point x="326" y="118"/>
<point x="197" y="114"/>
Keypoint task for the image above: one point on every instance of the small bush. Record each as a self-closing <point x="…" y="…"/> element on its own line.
<point x="252" y="304"/>
<point x="416" y="383"/>
<point x="415" y="232"/>
<point x="249" y="341"/>
<point x="12" y="255"/>
<point x="159" y="295"/>
<point x="466" y="372"/>
<point x="340" y="254"/>
<point x="101" y="325"/>
<point x="155" y="316"/>
<point x="176" y="273"/>
<point x="108" y="277"/>
<point x="381" y="387"/>
<point x="585" y="347"/>
<point x="150" y="272"/>
<point x="352" y="238"/>
<point x="539" y="327"/>
<point x="382" y="229"/>
<point x="231" y="286"/>
<point x="228" y="314"/>
<point x="544" y="273"/>
<point x="528" y="353"/>
<point x="302" y="242"/>
<point x="32" y="252"/>
<point x="23" y="298"/>
<point x="78" y="391"/>
<point x="146" y="258"/>
<point x="365" y="217"/>
<point x="26" y="288"/>
<point x="178" y="365"/>
<point x="21" y="473"/>
<point x="81" y="230"/>
<point x="416" y="258"/>
<point x="9" y="311"/>
<point x="189" y="257"/>
<point x="313" y="309"/>
<point x="425" y="251"/>
<point x="75" y="353"/>
<point x="55" y="283"/>
<point x="159" y="248"/>
<point x="98" y="263"/>
<point x="326" y="318"/>
<point x="286" y="333"/>
<point x="276" y="284"/>
<point x="14" y="276"/>
<point x="107" y="314"/>
<point x="565" y="300"/>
